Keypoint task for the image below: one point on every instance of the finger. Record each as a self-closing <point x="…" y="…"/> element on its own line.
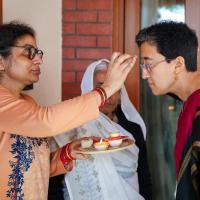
<point x="123" y="58"/>
<point x="75" y="144"/>
<point x="128" y="68"/>
<point x="114" y="56"/>
<point x="81" y="156"/>
<point x="130" y="62"/>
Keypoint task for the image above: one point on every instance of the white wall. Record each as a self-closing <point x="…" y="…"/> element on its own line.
<point x="45" y="17"/>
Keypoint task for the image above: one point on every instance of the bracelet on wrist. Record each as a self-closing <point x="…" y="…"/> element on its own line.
<point x="65" y="155"/>
<point x="68" y="152"/>
<point x="102" y="94"/>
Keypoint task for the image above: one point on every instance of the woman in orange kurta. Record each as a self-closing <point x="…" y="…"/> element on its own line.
<point x="25" y="159"/>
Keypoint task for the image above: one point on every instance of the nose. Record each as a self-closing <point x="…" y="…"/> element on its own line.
<point x="37" y="59"/>
<point x="145" y="74"/>
<point x="109" y="99"/>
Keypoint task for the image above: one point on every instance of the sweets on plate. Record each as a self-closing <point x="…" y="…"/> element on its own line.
<point x="114" y="134"/>
<point x="86" y="143"/>
<point x="114" y="139"/>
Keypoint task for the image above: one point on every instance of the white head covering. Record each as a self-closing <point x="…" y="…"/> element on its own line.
<point x="127" y="107"/>
<point x="106" y="176"/>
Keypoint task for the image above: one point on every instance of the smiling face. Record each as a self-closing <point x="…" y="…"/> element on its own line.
<point x="160" y="76"/>
<point x="112" y="102"/>
<point x="20" y="70"/>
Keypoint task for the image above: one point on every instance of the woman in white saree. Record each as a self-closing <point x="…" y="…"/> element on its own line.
<point x="111" y="176"/>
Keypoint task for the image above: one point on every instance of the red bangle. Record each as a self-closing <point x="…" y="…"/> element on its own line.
<point x="103" y="95"/>
<point x="65" y="155"/>
<point x="104" y="92"/>
<point x="68" y="152"/>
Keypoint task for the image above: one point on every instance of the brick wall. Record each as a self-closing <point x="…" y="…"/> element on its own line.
<point x="87" y="36"/>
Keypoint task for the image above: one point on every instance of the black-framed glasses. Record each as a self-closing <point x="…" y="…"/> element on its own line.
<point x="31" y="51"/>
<point x="149" y="67"/>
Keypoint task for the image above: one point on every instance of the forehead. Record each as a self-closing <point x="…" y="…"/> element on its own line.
<point x="26" y="39"/>
<point x="149" y="51"/>
<point x="100" y="74"/>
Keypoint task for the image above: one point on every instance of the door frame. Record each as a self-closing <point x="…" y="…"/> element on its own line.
<point x="127" y="12"/>
<point x="192" y="13"/>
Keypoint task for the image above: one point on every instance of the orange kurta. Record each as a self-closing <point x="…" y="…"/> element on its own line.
<point x="25" y="164"/>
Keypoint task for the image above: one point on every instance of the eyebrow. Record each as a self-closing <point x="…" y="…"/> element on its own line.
<point x="147" y="58"/>
<point x="26" y="45"/>
<point x="99" y="83"/>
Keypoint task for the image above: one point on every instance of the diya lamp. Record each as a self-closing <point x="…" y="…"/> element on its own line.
<point x="101" y="145"/>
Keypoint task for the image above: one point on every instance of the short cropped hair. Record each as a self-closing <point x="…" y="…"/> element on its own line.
<point x="10" y="33"/>
<point x="172" y="39"/>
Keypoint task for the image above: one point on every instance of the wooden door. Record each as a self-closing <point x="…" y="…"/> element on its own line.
<point x="126" y="23"/>
<point x="192" y="17"/>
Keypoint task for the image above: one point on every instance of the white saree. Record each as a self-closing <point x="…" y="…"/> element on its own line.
<point x="110" y="176"/>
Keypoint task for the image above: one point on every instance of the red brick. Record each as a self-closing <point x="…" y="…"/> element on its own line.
<point x="68" y="77"/>
<point x="90" y="53"/>
<point x="76" y="65"/>
<point x="68" y="52"/>
<point x="104" y="41"/>
<point x="99" y="29"/>
<point x="97" y="4"/>
<point x="105" y="16"/>
<point x="69" y="4"/>
<point x="73" y="41"/>
<point x="79" y="76"/>
<point x="71" y="88"/>
<point x="68" y="28"/>
<point x="84" y="30"/>
<point x="80" y="16"/>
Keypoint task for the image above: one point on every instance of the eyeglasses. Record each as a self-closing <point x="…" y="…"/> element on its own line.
<point x="149" y="67"/>
<point x="31" y="51"/>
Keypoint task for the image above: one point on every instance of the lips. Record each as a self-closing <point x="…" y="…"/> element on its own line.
<point x="36" y="71"/>
<point x="150" y="83"/>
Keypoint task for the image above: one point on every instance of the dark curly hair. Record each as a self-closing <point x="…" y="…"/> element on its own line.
<point x="10" y="33"/>
<point x="172" y="39"/>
